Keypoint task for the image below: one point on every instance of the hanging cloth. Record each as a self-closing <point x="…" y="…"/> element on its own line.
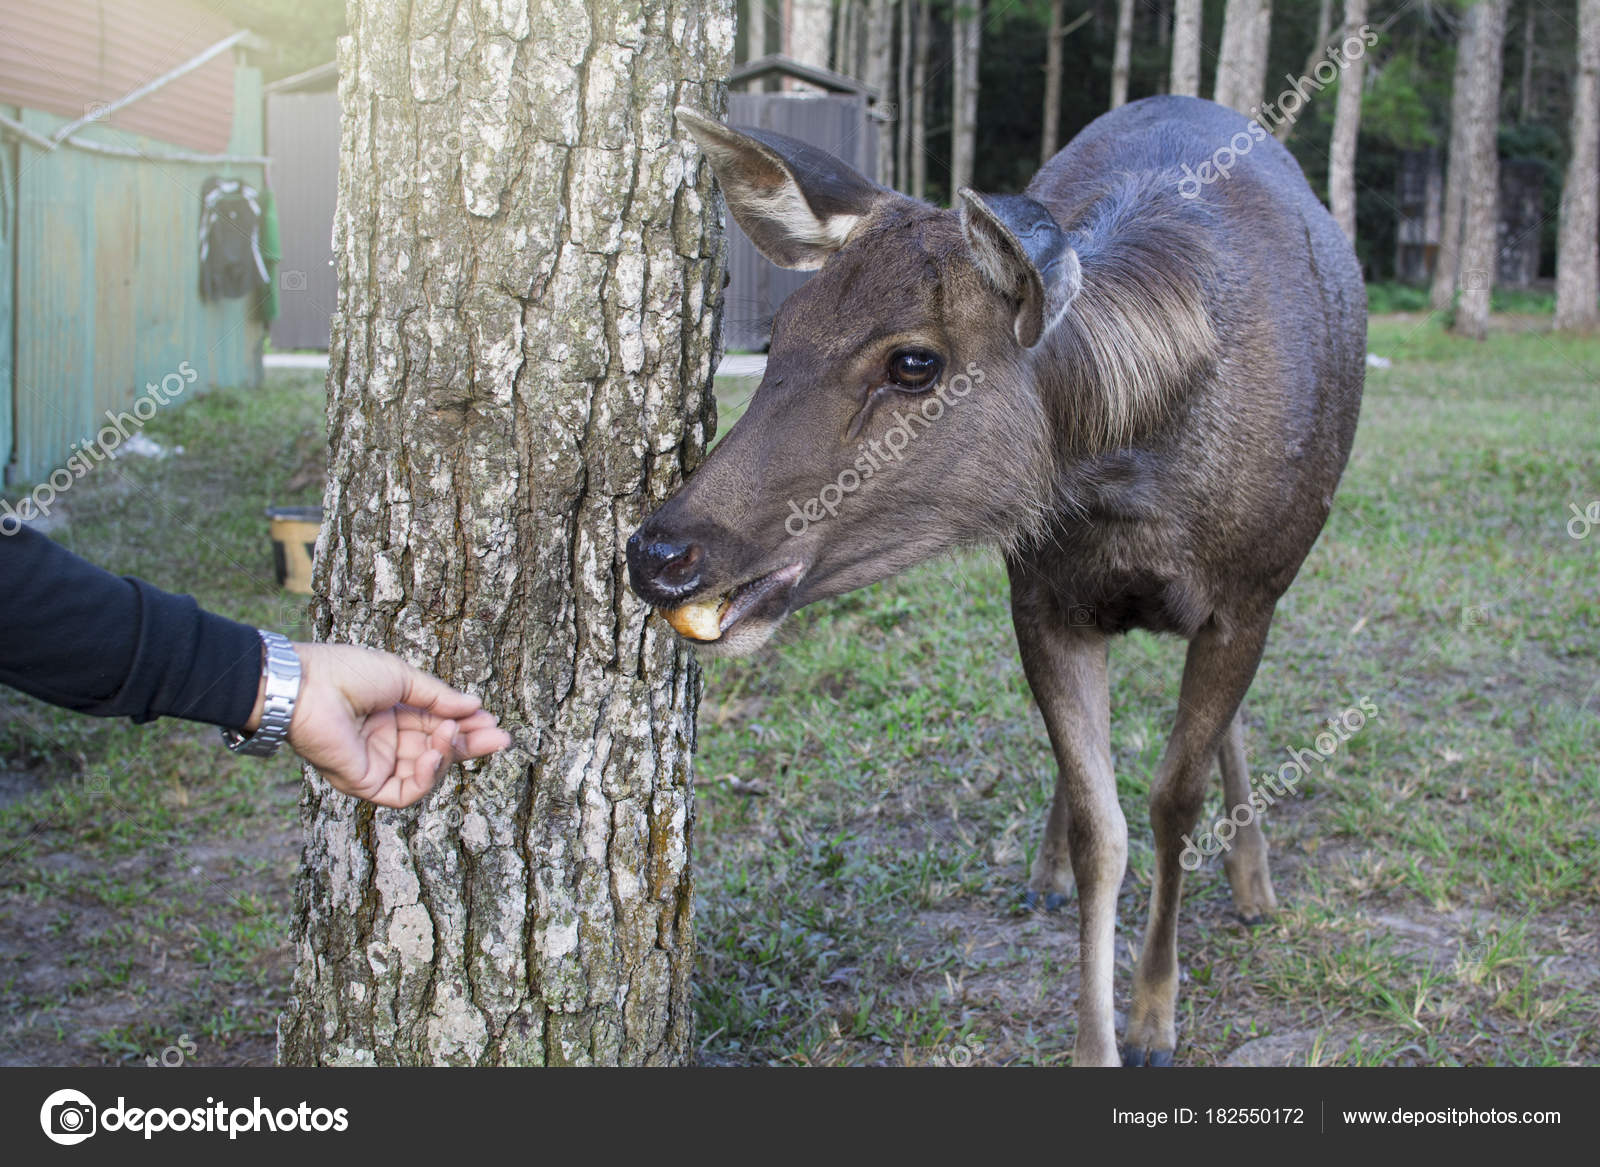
<point x="231" y="264"/>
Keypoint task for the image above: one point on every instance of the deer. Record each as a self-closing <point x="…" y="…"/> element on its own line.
<point x="1147" y="367"/>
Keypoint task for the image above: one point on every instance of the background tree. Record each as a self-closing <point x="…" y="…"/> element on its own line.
<point x="1242" y="59"/>
<point x="1577" y="264"/>
<point x="520" y="370"/>
<point x="1481" y="175"/>
<point x="919" y="100"/>
<point x="755" y="30"/>
<point x="808" y="30"/>
<point x="1186" y="30"/>
<point x="966" y="42"/>
<point x="902" y="112"/>
<point x="1445" y="267"/>
<point x="879" y="75"/>
<point x="1056" y="34"/>
<point x="1347" y="127"/>
<point x="1319" y="46"/>
<point x="1120" y="56"/>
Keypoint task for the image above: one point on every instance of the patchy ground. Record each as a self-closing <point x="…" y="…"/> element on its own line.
<point x="871" y="792"/>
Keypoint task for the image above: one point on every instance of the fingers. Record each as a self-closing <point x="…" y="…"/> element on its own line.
<point x="425" y="691"/>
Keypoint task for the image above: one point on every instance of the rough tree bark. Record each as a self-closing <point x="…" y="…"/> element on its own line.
<point x="1447" y="262"/>
<point x="520" y="370"/>
<point x="1122" y="54"/>
<point x="1481" y="176"/>
<point x="1242" y="59"/>
<point x="1347" y="128"/>
<point x="919" y="100"/>
<point x="1577" y="264"/>
<point x="1186" y="16"/>
<point x="966" y="35"/>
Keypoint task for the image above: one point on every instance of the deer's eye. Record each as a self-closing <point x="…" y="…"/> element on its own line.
<point x="914" y="369"/>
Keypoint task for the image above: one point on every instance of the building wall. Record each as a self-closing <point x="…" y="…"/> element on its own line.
<point x="303" y="142"/>
<point x="106" y="296"/>
<point x="67" y="57"/>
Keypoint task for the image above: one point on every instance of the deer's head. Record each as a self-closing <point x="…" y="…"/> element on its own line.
<point x="897" y="417"/>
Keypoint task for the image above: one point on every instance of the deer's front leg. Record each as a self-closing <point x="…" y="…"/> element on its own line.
<point x="1218" y="670"/>
<point x="1066" y="669"/>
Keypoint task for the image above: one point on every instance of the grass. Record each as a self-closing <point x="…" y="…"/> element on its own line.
<point x="1438" y="875"/>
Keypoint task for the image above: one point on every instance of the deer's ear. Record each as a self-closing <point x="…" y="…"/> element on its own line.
<point x="1024" y="255"/>
<point x="798" y="204"/>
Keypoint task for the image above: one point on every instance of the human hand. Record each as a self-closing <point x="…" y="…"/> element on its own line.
<point x="379" y="729"/>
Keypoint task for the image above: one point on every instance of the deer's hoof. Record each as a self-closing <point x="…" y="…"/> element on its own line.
<point x="1137" y="1055"/>
<point x="1051" y="901"/>
<point x="1256" y="920"/>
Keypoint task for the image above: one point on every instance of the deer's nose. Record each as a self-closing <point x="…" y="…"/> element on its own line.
<point x="664" y="570"/>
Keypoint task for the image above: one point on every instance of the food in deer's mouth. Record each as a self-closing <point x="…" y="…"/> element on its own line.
<point x="701" y="620"/>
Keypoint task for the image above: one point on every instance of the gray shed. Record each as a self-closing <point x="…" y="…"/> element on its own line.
<point x="303" y="143"/>
<point x="835" y="115"/>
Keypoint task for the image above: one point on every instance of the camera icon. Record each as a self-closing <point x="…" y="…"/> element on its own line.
<point x="68" y="1117"/>
<point x="1474" y="616"/>
<point x="1080" y="616"/>
<point x="292" y="281"/>
<point x="1475" y="280"/>
<point x="97" y="110"/>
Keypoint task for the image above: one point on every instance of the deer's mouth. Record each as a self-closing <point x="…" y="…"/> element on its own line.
<point x="763" y="600"/>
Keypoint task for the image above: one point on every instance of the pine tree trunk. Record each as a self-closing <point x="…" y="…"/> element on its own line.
<point x="1447" y="262"/>
<point x="520" y="371"/>
<point x="880" y="61"/>
<point x="902" y="109"/>
<point x="1242" y="60"/>
<point x="1347" y="128"/>
<point x="808" y="34"/>
<point x="1051" y="133"/>
<point x="966" y="36"/>
<point x="1529" y="30"/>
<point x="755" y="33"/>
<point x="1577" y="263"/>
<point x="1481" y="177"/>
<point x="919" y="100"/>
<point x="1122" y="53"/>
<point x="1285" y="128"/>
<point x="1186" y="16"/>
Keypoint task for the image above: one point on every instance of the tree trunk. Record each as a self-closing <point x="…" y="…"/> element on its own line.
<point x="520" y="371"/>
<point x="807" y="35"/>
<point x="1285" y="127"/>
<point x="967" y="37"/>
<point x="1529" y="30"/>
<point x="1242" y="60"/>
<point x="755" y="33"/>
<point x="902" y="108"/>
<point x="1577" y="264"/>
<point x="1346" y="128"/>
<point x="1050" y="137"/>
<point x="1122" y="53"/>
<point x="919" y="100"/>
<point x="1186" y="16"/>
<point x="880" y="61"/>
<point x="1482" y="174"/>
<point x="1447" y="262"/>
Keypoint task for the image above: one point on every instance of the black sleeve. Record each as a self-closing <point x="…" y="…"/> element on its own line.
<point x="79" y="637"/>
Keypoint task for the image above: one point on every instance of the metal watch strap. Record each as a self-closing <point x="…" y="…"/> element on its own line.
<point x="281" y="668"/>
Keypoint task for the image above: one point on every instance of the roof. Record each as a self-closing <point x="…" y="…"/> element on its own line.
<point x="778" y="65"/>
<point x="322" y="77"/>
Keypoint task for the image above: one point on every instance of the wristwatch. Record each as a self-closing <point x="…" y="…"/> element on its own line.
<point x="280" y="665"/>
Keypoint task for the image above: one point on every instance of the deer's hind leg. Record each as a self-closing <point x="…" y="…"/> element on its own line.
<point x="1246" y="859"/>
<point x="1220" y="665"/>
